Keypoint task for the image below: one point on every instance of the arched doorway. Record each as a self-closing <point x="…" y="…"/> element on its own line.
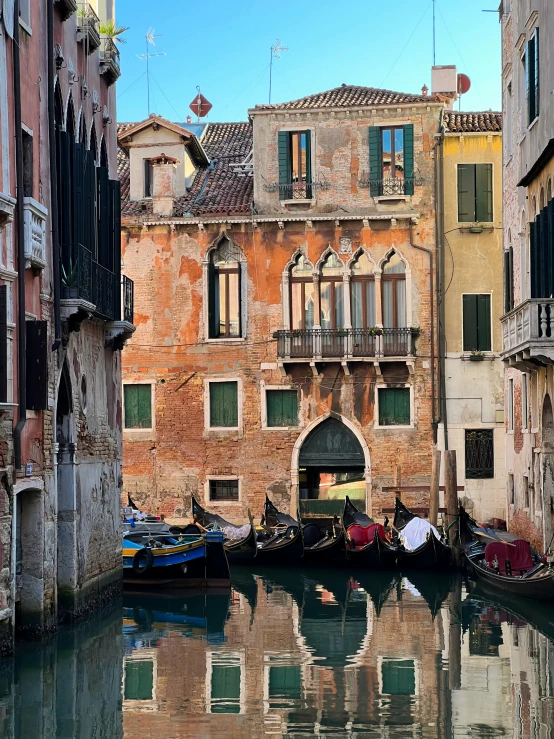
<point x="330" y="460"/>
<point x="546" y="471"/>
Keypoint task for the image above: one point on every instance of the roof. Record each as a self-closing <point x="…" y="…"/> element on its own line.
<point x="217" y="189"/>
<point x="465" y="122"/>
<point x="126" y="130"/>
<point x="347" y="96"/>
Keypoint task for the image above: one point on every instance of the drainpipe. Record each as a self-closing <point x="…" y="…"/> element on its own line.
<point x="441" y="279"/>
<point x="53" y="176"/>
<point x="20" y="245"/>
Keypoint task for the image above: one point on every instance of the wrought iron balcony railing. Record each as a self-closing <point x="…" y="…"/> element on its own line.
<point x="87" y="27"/>
<point x="345" y="343"/>
<point x="109" y="60"/>
<point x="528" y="333"/>
<point x="127" y="298"/>
<point x="296" y="190"/>
<point x="391" y="186"/>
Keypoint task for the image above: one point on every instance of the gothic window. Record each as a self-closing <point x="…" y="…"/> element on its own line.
<point x="224" y="272"/>
<point x="302" y="294"/>
<point x="331" y="291"/>
<point x="362" y="291"/>
<point x="393" y="288"/>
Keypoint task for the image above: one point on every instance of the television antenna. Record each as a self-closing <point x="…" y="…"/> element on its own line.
<point x="275" y="53"/>
<point x="150" y="36"/>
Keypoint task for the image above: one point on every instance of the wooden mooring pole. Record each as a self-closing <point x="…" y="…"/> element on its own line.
<point x="434" y="488"/>
<point x="451" y="499"/>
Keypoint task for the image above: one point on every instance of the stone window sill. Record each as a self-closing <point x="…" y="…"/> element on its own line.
<point x="387" y="198"/>
<point x="304" y="201"/>
<point x="533" y="123"/>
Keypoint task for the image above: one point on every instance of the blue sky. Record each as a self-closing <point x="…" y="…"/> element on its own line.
<point x="224" y="47"/>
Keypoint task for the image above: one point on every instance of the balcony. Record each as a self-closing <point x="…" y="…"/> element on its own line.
<point x="391" y="187"/>
<point x="346" y="344"/>
<point x="528" y="334"/>
<point x="296" y="190"/>
<point x="34" y="220"/>
<point x="87" y="27"/>
<point x="66" y="7"/>
<point x="109" y="60"/>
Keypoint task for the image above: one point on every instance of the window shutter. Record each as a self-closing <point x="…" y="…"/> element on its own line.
<point x="308" y="164"/>
<point x="89" y="203"/>
<point x="239" y="288"/>
<point x="375" y="156"/>
<point x="401" y="398"/>
<point x="131" y="406"/>
<point x="103" y="214"/>
<point x="65" y="197"/>
<point x="223" y="404"/>
<point x="511" y="273"/>
<point x="533" y="258"/>
<point x="37" y="365"/>
<point x="536" y="81"/>
<point x="541" y="254"/>
<point x="508" y="280"/>
<point x="549" y="215"/>
<point x="466" y="193"/>
<point x="469" y="310"/>
<point x="116" y="256"/>
<point x="483" y="193"/>
<point x="409" y="159"/>
<point x="3" y="344"/>
<point x="283" y="146"/>
<point x="282" y="407"/>
<point x="213" y="318"/>
<point x="144" y="406"/>
<point x="78" y="193"/>
<point x="484" y="323"/>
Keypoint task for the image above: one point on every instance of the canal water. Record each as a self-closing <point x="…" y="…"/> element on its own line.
<point x="298" y="654"/>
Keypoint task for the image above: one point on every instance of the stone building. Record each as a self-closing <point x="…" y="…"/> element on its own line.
<point x="287" y="322"/>
<point x="471" y="281"/>
<point x="528" y="346"/>
<point x="61" y="327"/>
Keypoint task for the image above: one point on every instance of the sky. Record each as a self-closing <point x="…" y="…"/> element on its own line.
<point x="224" y="48"/>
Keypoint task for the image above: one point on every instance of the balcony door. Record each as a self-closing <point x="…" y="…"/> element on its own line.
<point x="331" y="292"/>
<point x="396" y="339"/>
<point x="362" y="299"/>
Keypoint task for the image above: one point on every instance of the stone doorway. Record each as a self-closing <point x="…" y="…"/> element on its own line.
<point x="546" y="471"/>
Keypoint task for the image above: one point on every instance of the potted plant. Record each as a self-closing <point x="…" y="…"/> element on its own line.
<point x="476" y="355"/>
<point x="375" y="331"/>
<point x="415" y="331"/>
<point x="70" y="280"/>
<point x="111" y="30"/>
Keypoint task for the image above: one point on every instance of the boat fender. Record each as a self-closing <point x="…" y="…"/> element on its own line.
<point x="143" y="560"/>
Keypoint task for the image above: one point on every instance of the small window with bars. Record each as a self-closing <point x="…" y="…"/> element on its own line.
<point x="282" y="408"/>
<point x="224" y="490"/>
<point x="479" y="454"/>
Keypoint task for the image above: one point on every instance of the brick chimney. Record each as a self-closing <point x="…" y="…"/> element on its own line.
<point x="163" y="185"/>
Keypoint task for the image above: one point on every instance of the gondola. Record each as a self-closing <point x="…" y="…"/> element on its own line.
<point x="365" y="541"/>
<point x="321" y="546"/>
<point x="281" y="542"/>
<point x="432" y="554"/>
<point x="537" y="581"/>
<point x="239" y="551"/>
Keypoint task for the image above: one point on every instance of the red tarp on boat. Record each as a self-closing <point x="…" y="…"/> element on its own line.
<point x="518" y="552"/>
<point x="361" y="536"/>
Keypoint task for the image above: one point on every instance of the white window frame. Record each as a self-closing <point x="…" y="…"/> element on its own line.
<point x="224" y="478"/>
<point x="240" y="401"/>
<point x="487" y="352"/>
<point x="510" y="429"/>
<point x="263" y="406"/>
<point x="219" y="657"/>
<point x="130" y="704"/>
<point x="417" y="669"/>
<point x="524" y="403"/>
<point x="468" y="224"/>
<point x="133" y="431"/>
<point x="384" y="386"/>
<point x="278" y="659"/>
<point x="25" y="19"/>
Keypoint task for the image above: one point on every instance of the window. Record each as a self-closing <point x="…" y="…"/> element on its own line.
<point x="523" y="95"/>
<point x="148" y="178"/>
<point x="362" y="291"/>
<point x="227" y="490"/>
<point x="525" y="491"/>
<point x="524" y="406"/>
<point x="532" y="88"/>
<point x="393" y="288"/>
<point x="509" y="123"/>
<point x="282" y="407"/>
<point x="27" y="141"/>
<point x="511" y="492"/>
<point x="476" y="311"/>
<point x="391" y="160"/>
<point x="224" y="689"/>
<point x="398" y="677"/>
<point x="510" y="404"/>
<point x="479" y="454"/>
<point x="224" y="288"/>
<point x="25" y="12"/>
<point x="285" y="685"/>
<point x="331" y="291"/>
<point x="4" y="364"/>
<point x="302" y="295"/>
<point x="394" y="406"/>
<point x="138" y="406"/>
<point x="224" y="404"/>
<point x="509" y="279"/>
<point x="475" y="193"/>
<point x="295" y="165"/>
<point x="139" y="680"/>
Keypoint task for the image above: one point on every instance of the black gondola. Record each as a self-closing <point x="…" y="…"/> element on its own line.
<point x="377" y="553"/>
<point x="433" y="554"/>
<point x="238" y="551"/>
<point x="321" y="546"/>
<point x="537" y="582"/>
<point x="284" y="543"/>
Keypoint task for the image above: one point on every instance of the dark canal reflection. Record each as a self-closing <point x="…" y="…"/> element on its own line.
<point x="310" y="654"/>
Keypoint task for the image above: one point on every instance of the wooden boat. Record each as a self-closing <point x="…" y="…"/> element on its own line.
<point x="161" y="560"/>
<point x="366" y="545"/>
<point x="239" y="551"/>
<point x="281" y="542"/>
<point x="321" y="546"/>
<point x="536" y="582"/>
<point x="433" y="554"/>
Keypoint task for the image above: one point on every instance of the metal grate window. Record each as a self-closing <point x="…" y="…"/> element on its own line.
<point x="479" y="454"/>
<point x="224" y="490"/>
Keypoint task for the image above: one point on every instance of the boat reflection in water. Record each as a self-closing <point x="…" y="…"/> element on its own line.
<point x="309" y="653"/>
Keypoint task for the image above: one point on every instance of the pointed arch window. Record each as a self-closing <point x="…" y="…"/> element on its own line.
<point x="393" y="290"/>
<point x="362" y="292"/>
<point x="302" y="294"/>
<point x="331" y="292"/>
<point x="224" y="273"/>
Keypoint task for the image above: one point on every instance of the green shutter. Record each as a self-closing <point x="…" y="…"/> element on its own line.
<point x="398" y="677"/>
<point x="549" y="214"/>
<point x="533" y="258"/>
<point x="213" y="318"/>
<point x="466" y="193"/>
<point x="139" y="681"/>
<point x="483" y="193"/>
<point x="285" y="682"/>
<point x="138" y="406"/>
<point x="308" y="163"/>
<point x="224" y="405"/>
<point x="409" y="159"/>
<point x="470" y="336"/>
<point x="530" y="80"/>
<point x="394" y="406"/>
<point x="283" y="150"/>
<point x="225" y="689"/>
<point x="282" y="407"/>
<point x="375" y="157"/>
<point x="484" y="323"/>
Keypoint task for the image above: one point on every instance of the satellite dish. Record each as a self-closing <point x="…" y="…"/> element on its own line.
<point x="200" y="105"/>
<point x="464" y="83"/>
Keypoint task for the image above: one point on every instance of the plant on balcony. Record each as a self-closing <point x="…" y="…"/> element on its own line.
<point x="415" y="331"/>
<point x="476" y="355"/>
<point x="114" y="32"/>
<point x="70" y="279"/>
<point x="341" y="332"/>
<point x="296" y="332"/>
<point x="374" y="331"/>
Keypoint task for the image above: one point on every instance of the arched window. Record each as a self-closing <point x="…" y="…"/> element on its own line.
<point x="224" y="291"/>
<point x="301" y="294"/>
<point x="541" y="200"/>
<point x="362" y="292"/>
<point x="103" y="153"/>
<point x="509" y="275"/>
<point x="58" y="106"/>
<point x="393" y="288"/>
<point x="70" y="120"/>
<point x="331" y="292"/>
<point x="93" y="143"/>
<point x="82" y="129"/>
<point x="549" y="190"/>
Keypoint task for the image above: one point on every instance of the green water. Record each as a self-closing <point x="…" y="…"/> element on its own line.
<point x="314" y="653"/>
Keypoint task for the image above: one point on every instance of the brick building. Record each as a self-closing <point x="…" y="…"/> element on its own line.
<point x="286" y="325"/>
<point x="60" y="311"/>
<point x="528" y="346"/>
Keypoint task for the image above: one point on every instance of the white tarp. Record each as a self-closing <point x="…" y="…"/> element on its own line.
<point x="235" y="533"/>
<point x="414" y="534"/>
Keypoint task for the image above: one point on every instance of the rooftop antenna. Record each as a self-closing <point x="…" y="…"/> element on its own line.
<point x="434" y="48"/>
<point x="150" y="36"/>
<point x="275" y="52"/>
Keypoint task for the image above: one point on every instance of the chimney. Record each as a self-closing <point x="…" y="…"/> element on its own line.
<point x="163" y="184"/>
<point x="444" y="82"/>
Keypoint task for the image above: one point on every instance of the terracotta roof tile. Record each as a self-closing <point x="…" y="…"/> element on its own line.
<point x="463" y="122"/>
<point x="347" y="96"/>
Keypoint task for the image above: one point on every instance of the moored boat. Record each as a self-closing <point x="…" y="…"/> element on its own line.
<point x="422" y="546"/>
<point x="239" y="541"/>
<point x="281" y="542"/>
<point x="365" y="540"/>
